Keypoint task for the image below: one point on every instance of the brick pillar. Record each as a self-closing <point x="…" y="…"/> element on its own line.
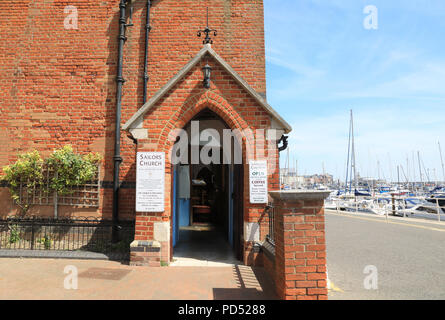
<point x="151" y="246"/>
<point x="144" y="250"/>
<point x="145" y="253"/>
<point x="300" y="248"/>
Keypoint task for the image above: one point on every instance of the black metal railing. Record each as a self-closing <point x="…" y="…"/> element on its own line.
<point x="271" y="212"/>
<point x="87" y="234"/>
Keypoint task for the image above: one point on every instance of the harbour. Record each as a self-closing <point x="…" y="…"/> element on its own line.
<point x="405" y="197"/>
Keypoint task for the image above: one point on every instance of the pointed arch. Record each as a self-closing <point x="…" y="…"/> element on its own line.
<point x="192" y="107"/>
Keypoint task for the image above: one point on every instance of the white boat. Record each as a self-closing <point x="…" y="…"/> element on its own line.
<point x="419" y="206"/>
<point x="374" y="206"/>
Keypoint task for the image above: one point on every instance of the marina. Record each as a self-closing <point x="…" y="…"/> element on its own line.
<point x="424" y="199"/>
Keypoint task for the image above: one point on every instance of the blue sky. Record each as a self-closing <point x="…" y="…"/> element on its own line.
<point x="321" y="62"/>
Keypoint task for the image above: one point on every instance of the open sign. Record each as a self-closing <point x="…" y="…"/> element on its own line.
<point x="258" y="181"/>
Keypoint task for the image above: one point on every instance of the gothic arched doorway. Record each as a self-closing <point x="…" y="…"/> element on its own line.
<point x="207" y="193"/>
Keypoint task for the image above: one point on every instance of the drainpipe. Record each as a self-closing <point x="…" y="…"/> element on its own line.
<point x="147" y="32"/>
<point x="117" y="142"/>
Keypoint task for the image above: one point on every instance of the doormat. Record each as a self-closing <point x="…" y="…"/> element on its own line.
<point x="199" y="227"/>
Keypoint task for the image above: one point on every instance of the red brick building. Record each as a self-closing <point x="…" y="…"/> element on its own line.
<point x="59" y="65"/>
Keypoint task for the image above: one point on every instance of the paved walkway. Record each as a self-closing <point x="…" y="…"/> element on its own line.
<point x="203" y="247"/>
<point x="370" y="257"/>
<point x="45" y="278"/>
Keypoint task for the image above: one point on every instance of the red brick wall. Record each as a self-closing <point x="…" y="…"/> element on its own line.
<point x="58" y="86"/>
<point x="300" y="250"/>
<point x="269" y="265"/>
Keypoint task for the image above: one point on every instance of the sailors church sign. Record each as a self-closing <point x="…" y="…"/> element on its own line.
<point x="150" y="181"/>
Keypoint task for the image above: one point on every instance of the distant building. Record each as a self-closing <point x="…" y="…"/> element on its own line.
<point x="292" y="181"/>
<point x="322" y="179"/>
<point x="290" y="178"/>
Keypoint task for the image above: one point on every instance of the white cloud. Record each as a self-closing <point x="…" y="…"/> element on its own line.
<point x="427" y="82"/>
<point x="300" y="69"/>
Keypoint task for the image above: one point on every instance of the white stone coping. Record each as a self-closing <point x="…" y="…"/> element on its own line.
<point x="139" y="243"/>
<point x="286" y="195"/>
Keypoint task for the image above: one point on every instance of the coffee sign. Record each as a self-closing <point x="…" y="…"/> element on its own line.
<point x="258" y="181"/>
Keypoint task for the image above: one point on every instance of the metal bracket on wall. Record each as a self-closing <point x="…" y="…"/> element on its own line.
<point x="283" y="139"/>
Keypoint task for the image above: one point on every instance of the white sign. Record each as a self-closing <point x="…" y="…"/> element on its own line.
<point x="150" y="181"/>
<point x="258" y="181"/>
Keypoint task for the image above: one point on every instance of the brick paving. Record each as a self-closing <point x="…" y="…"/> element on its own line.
<point x="104" y="280"/>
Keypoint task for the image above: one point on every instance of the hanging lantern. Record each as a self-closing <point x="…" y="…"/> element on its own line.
<point x="207" y="70"/>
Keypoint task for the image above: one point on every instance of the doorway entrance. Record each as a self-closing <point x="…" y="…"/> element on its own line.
<point x="207" y="189"/>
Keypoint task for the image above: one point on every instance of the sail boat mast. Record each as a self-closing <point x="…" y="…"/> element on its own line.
<point x="420" y="167"/>
<point x="347" y="161"/>
<point x="353" y="165"/>
<point x="296" y="172"/>
<point x="441" y="160"/>
<point x="378" y="170"/>
<point x="288" y="168"/>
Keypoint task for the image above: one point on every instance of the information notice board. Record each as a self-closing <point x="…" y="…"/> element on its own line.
<point x="258" y="181"/>
<point x="150" y="181"/>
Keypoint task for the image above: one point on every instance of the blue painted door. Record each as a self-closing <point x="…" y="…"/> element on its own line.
<point x="230" y="201"/>
<point x="184" y="212"/>
<point x="175" y="219"/>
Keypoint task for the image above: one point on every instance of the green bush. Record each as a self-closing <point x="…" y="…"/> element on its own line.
<point x="26" y="172"/>
<point x="46" y="241"/>
<point x="14" y="234"/>
<point x="68" y="169"/>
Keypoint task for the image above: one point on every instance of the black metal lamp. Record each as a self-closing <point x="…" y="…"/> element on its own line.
<point x="207" y="70"/>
